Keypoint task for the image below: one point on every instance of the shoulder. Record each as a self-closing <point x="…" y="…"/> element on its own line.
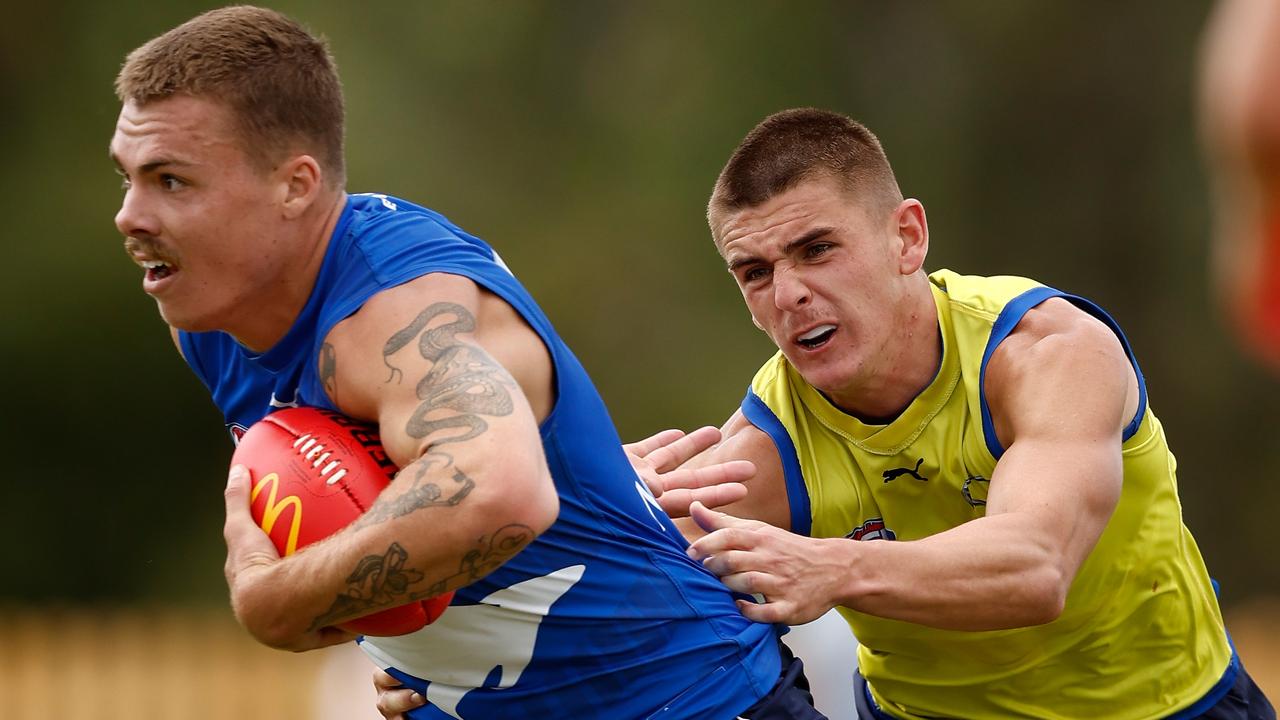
<point x="1056" y="359"/>
<point x="980" y="295"/>
<point x="772" y="382"/>
<point x="746" y="436"/>
<point x="1057" y="325"/>
<point x="419" y="309"/>
<point x="420" y="326"/>
<point x="388" y="252"/>
<point x="392" y="235"/>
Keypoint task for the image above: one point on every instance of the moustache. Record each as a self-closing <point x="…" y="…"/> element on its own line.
<point x="148" y="248"/>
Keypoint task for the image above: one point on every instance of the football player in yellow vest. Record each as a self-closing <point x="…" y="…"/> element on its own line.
<point x="967" y="468"/>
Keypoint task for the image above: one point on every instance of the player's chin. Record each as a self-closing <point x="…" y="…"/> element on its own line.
<point x="181" y="314"/>
<point x="829" y="378"/>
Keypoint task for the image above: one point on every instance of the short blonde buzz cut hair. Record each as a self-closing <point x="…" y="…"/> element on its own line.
<point x="279" y="81"/>
<point x="792" y="146"/>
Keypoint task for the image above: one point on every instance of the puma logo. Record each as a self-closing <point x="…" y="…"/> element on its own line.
<point x="896" y="473"/>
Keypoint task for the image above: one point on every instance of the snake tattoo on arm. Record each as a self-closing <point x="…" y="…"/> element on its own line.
<point x="462" y="384"/>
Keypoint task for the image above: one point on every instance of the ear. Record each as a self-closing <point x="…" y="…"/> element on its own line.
<point x="913" y="230"/>
<point x="302" y="181"/>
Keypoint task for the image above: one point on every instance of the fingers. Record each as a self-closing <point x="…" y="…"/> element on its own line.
<point x="753" y="583"/>
<point x="247" y="544"/>
<point x="680" y="448"/>
<point x="712" y="520"/>
<point x="641" y="448"/>
<point x="239" y="526"/>
<point x="237" y="494"/>
<point x="728" y="562"/>
<point x="394" y="699"/>
<point x="676" y="502"/>
<point x="383" y="680"/>
<point x="732" y="471"/>
<point x="765" y="612"/>
<point x="712" y="486"/>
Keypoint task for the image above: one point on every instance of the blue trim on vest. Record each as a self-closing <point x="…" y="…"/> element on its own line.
<point x="1201" y="706"/>
<point x="1219" y="690"/>
<point x="1009" y="318"/>
<point x="759" y="414"/>
<point x="875" y="709"/>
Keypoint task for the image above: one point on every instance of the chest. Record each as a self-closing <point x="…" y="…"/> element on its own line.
<point x="246" y="393"/>
<point x="934" y="480"/>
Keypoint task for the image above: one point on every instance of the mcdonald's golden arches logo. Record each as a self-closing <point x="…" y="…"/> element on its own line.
<point x="274" y="509"/>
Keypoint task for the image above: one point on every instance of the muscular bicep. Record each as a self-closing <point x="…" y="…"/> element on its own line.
<point x="438" y="362"/>
<point x="435" y="362"/>
<point x="1061" y="390"/>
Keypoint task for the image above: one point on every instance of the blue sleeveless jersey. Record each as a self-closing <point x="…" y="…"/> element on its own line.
<point x="603" y="616"/>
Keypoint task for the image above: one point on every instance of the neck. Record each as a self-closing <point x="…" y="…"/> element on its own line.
<point x="270" y="313"/>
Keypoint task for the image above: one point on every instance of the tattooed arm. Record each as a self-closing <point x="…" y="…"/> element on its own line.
<point x="457" y="383"/>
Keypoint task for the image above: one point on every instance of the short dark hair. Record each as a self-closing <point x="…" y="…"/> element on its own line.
<point x="279" y="81"/>
<point x="795" y="145"/>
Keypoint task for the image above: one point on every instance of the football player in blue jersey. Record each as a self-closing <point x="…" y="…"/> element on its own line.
<point x="574" y="596"/>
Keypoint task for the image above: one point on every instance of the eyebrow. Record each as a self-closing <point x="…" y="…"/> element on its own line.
<point x="149" y="166"/>
<point x="789" y="248"/>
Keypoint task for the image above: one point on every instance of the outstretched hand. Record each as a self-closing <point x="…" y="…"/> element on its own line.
<point x="798" y="576"/>
<point x="659" y="461"/>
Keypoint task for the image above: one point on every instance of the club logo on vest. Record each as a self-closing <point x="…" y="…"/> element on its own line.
<point x="873" y="529"/>
<point x="894" y="474"/>
<point x="967" y="492"/>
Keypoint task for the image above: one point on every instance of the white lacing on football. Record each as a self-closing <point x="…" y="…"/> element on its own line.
<point x="314" y="451"/>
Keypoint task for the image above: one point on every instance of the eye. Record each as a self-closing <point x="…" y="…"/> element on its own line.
<point x="125" y="183"/>
<point x="818" y="249"/>
<point x="755" y="273"/>
<point x="170" y="182"/>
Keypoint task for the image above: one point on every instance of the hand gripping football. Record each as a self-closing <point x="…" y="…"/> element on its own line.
<point x="313" y="473"/>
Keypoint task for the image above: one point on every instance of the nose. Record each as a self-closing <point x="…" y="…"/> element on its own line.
<point x="789" y="289"/>
<point x="134" y="219"/>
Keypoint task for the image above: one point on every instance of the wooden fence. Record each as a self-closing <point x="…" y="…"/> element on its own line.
<point x="167" y="664"/>
<point x="170" y="664"/>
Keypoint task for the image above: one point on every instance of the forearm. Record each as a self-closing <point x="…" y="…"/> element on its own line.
<point x="436" y="528"/>
<point x="992" y="573"/>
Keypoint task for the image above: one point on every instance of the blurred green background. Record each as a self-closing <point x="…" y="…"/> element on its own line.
<point x="1048" y="139"/>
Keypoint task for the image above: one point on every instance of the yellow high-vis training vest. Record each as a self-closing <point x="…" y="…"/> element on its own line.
<point x="1141" y="635"/>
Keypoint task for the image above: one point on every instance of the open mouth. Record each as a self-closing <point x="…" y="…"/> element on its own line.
<point x="157" y="270"/>
<point x="147" y="254"/>
<point x="816" y="337"/>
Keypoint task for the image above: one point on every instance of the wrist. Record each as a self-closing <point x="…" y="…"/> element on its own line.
<point x="256" y="606"/>
<point x="853" y="583"/>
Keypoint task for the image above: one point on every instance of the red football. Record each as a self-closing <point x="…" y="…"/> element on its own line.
<point x="313" y="473"/>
